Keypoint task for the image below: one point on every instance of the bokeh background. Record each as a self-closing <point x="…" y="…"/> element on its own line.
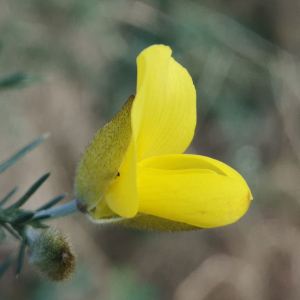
<point x="80" y="58"/>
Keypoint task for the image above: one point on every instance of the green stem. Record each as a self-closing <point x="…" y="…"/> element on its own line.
<point x="57" y="212"/>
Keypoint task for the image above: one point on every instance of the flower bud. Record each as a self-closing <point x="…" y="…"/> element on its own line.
<point x="52" y="252"/>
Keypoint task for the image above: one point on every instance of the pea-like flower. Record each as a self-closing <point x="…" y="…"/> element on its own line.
<point x="134" y="173"/>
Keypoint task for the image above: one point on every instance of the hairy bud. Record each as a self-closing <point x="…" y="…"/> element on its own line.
<point x="52" y="252"/>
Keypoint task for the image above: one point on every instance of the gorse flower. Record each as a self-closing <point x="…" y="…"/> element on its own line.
<point x="134" y="173"/>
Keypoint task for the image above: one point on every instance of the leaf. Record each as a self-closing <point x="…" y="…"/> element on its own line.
<point x="51" y="202"/>
<point x="6" y="265"/>
<point x="26" y="196"/>
<point x="21" y="153"/>
<point x="8" y="196"/>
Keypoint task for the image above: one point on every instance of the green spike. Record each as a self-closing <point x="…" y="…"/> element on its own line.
<point x="23" y="217"/>
<point x="14" y="80"/>
<point x="21" y="255"/>
<point x="6" y="265"/>
<point x="51" y="202"/>
<point x="10" y="230"/>
<point x="26" y="196"/>
<point x="38" y="224"/>
<point x="8" y="196"/>
<point x="43" y="217"/>
<point x="21" y="153"/>
<point x="2" y="234"/>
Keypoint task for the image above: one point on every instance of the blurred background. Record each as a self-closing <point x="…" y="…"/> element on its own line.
<point x="80" y="58"/>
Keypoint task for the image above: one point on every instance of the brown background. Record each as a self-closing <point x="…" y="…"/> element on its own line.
<point x="243" y="57"/>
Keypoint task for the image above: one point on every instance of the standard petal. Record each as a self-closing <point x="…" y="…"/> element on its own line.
<point x="164" y="110"/>
<point x="196" y="197"/>
<point x="187" y="161"/>
<point x="102" y="159"/>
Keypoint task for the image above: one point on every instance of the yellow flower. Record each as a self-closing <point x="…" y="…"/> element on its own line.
<point x="134" y="173"/>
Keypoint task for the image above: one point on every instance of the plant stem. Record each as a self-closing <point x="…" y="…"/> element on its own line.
<point x="57" y="212"/>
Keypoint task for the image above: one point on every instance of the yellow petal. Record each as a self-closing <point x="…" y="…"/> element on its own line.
<point x="101" y="211"/>
<point x="164" y="110"/>
<point x="203" y="198"/>
<point x="122" y="196"/>
<point x="186" y="161"/>
<point x="102" y="159"/>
